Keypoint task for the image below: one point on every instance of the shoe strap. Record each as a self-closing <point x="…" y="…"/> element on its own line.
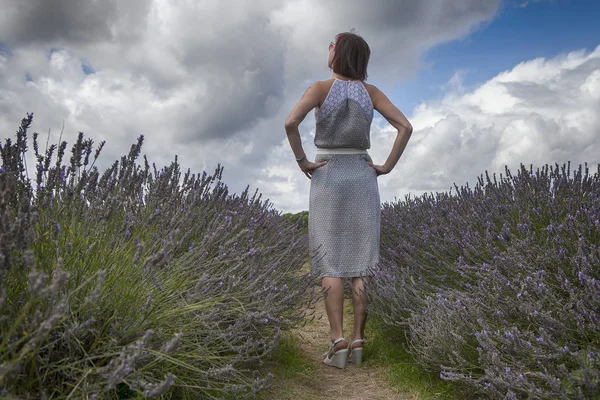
<point x="357" y="341"/>
<point x="332" y="346"/>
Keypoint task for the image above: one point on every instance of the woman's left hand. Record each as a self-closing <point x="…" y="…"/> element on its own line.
<point x="379" y="169"/>
<point x="308" y="167"/>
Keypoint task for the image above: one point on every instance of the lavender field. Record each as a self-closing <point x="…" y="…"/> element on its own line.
<point x="497" y="287"/>
<point x="138" y="282"/>
<point x="143" y="282"/>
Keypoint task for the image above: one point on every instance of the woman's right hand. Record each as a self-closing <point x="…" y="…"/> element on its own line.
<point x="379" y="169"/>
<point x="308" y="167"/>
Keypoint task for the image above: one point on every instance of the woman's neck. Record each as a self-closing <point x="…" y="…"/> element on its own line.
<point x="343" y="78"/>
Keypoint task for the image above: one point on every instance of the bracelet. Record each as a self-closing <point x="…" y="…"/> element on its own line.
<point x="300" y="159"/>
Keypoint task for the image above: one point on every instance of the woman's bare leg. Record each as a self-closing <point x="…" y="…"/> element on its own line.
<point x="334" y="305"/>
<point x="359" y="302"/>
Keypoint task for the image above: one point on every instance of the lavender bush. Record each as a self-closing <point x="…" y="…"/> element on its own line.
<point x="138" y="282"/>
<point x="498" y="286"/>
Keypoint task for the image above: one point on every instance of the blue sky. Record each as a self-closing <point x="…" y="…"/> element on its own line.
<point x="516" y="34"/>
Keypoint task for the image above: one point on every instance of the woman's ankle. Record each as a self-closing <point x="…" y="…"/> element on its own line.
<point x="342" y="344"/>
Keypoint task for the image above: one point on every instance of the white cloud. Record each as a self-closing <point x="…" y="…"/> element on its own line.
<point x="526" y="3"/>
<point x="213" y="84"/>
<point x="542" y="111"/>
<point x="210" y="81"/>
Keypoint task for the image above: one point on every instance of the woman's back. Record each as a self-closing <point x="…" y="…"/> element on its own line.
<point x="344" y="118"/>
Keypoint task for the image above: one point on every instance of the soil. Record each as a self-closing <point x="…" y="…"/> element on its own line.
<point x="365" y="382"/>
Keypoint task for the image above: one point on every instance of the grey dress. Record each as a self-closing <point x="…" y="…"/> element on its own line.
<point x="344" y="206"/>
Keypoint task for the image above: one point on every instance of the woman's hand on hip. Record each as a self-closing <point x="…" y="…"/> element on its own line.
<point x="379" y="169"/>
<point x="308" y="167"/>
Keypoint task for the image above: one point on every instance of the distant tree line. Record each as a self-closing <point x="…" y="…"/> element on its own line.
<point x="300" y="219"/>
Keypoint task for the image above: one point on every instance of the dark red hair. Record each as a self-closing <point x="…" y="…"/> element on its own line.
<point x="351" y="56"/>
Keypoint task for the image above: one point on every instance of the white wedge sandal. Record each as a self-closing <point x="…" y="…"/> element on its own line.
<point x="356" y="353"/>
<point x="339" y="357"/>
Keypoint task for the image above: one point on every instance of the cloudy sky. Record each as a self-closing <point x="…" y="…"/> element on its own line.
<point x="485" y="83"/>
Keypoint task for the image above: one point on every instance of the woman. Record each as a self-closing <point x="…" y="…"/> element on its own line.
<point x="344" y="206"/>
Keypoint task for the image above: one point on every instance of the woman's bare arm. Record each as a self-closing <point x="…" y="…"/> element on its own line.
<point x="309" y="100"/>
<point x="395" y="117"/>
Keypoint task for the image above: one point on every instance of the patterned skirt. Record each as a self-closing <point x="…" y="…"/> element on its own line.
<point x="344" y="215"/>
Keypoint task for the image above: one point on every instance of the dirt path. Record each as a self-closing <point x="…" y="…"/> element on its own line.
<point x="353" y="383"/>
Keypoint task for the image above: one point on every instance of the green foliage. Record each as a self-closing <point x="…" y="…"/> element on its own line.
<point x="387" y="348"/>
<point x="300" y="219"/>
<point x="138" y="283"/>
<point x="294" y="373"/>
<point x="497" y="285"/>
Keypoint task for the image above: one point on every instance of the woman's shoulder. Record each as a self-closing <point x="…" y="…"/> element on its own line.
<point x="372" y="89"/>
<point x="327" y="81"/>
<point x="324" y="86"/>
<point x="375" y="93"/>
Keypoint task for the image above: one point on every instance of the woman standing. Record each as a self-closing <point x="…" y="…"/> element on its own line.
<point x="344" y="207"/>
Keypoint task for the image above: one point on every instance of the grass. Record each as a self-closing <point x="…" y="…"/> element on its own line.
<point x="296" y="376"/>
<point x="135" y="282"/>
<point x="293" y="372"/>
<point x="400" y="369"/>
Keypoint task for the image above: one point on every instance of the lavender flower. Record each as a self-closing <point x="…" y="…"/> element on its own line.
<point x="155" y="390"/>
<point x="191" y="272"/>
<point x="510" y="252"/>
<point x="172" y="344"/>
